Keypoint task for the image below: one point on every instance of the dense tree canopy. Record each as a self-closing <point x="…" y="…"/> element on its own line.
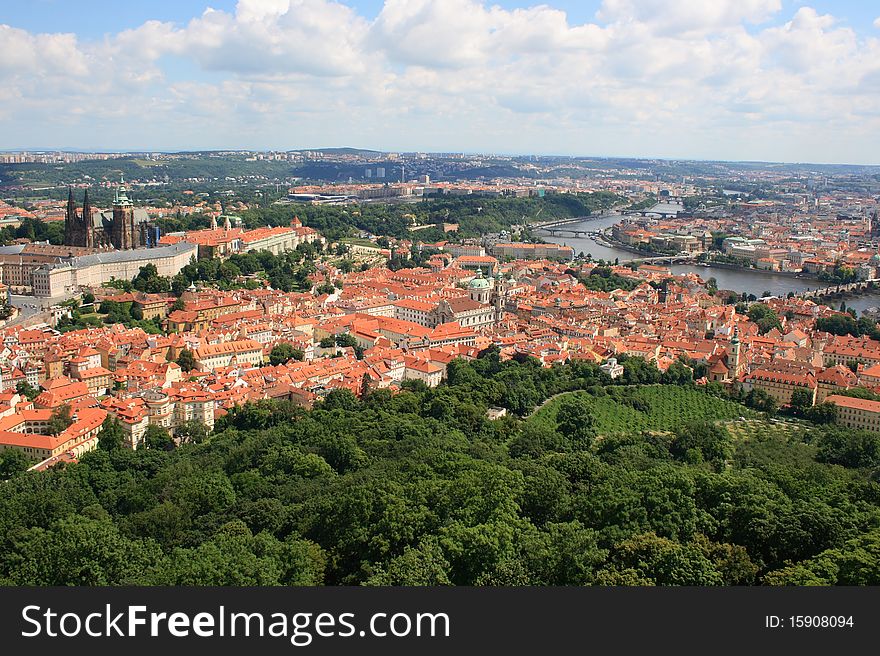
<point x="422" y="488"/>
<point x="845" y="324"/>
<point x="764" y="316"/>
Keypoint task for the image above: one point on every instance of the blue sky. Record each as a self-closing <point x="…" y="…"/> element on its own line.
<point x="95" y="18"/>
<point x="790" y="80"/>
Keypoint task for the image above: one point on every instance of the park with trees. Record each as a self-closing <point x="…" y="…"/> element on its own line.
<point x="421" y="488"/>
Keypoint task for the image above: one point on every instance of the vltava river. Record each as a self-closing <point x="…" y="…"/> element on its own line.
<point x="750" y="281"/>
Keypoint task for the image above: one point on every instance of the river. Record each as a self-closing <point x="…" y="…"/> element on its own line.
<point x="750" y="281"/>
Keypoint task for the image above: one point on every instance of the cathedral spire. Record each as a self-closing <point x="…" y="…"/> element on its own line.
<point x="88" y="225"/>
<point x="87" y="209"/>
<point x="71" y="202"/>
<point x="70" y="218"/>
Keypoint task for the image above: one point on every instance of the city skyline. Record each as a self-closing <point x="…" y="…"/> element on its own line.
<point x="762" y="80"/>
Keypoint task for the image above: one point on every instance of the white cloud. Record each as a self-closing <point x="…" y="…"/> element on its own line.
<point x="40" y="54"/>
<point x="689" y="15"/>
<point x="313" y="37"/>
<point x="672" y="77"/>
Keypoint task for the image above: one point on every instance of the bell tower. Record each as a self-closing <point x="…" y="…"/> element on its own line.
<point x="496" y="299"/>
<point x="123" y="233"/>
<point x="734" y="360"/>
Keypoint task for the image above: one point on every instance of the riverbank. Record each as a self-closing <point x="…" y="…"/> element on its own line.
<point x="711" y="264"/>
<point x="732" y="277"/>
<point x="576" y="219"/>
<point x="737" y="267"/>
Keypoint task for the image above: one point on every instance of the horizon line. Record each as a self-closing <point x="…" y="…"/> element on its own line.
<point x="640" y="158"/>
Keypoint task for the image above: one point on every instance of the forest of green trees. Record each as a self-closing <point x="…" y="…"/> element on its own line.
<point x="421" y="488"/>
<point x="476" y="215"/>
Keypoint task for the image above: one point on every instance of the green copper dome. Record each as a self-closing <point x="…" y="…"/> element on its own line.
<point x="480" y="282"/>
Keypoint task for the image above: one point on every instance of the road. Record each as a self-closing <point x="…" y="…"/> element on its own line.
<point x="27" y="305"/>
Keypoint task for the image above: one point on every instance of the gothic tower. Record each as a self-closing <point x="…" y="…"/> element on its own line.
<point x="88" y="225"/>
<point x="123" y="234"/>
<point x="77" y="227"/>
<point x="70" y="220"/>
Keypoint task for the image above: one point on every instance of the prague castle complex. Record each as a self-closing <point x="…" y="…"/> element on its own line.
<point x="123" y="228"/>
<point x="99" y="245"/>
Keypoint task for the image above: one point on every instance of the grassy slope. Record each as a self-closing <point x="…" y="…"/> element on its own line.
<point x="670" y="407"/>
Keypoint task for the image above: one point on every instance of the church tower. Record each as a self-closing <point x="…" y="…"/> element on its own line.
<point x="497" y="297"/>
<point x="734" y="358"/>
<point x="77" y="226"/>
<point x="123" y="234"/>
<point x="70" y="220"/>
<point x="88" y="225"/>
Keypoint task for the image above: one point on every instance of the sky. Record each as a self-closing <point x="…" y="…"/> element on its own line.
<point x="771" y="80"/>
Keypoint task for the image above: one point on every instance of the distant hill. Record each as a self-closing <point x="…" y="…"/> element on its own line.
<point x="343" y="151"/>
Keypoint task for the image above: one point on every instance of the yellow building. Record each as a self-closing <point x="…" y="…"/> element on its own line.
<point x="857" y="413"/>
<point x="239" y="352"/>
<point x="780" y="384"/>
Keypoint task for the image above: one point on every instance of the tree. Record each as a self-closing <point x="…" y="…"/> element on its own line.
<point x="186" y="360"/>
<point x="760" y="400"/>
<point x="702" y="441"/>
<point x="421" y="566"/>
<point x="764" y="316"/>
<point x="856" y="562"/>
<point x="850" y="448"/>
<point x="664" y="561"/>
<point x="25" y="389"/>
<point x="158" y="438"/>
<point x="366" y="382"/>
<point x="60" y="420"/>
<point x="88" y="298"/>
<point x="148" y="280"/>
<point x="678" y="373"/>
<point x="179" y="284"/>
<point x="418" y="487"/>
<point x="108" y="307"/>
<point x="111" y="436"/>
<point x="12" y="463"/>
<point x="81" y="550"/>
<point x="283" y="352"/>
<point x="801" y="400"/>
<point x="822" y="413"/>
<point x="574" y="420"/>
<point x="178" y="305"/>
<point x="343" y="399"/>
<point x="191" y="432"/>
